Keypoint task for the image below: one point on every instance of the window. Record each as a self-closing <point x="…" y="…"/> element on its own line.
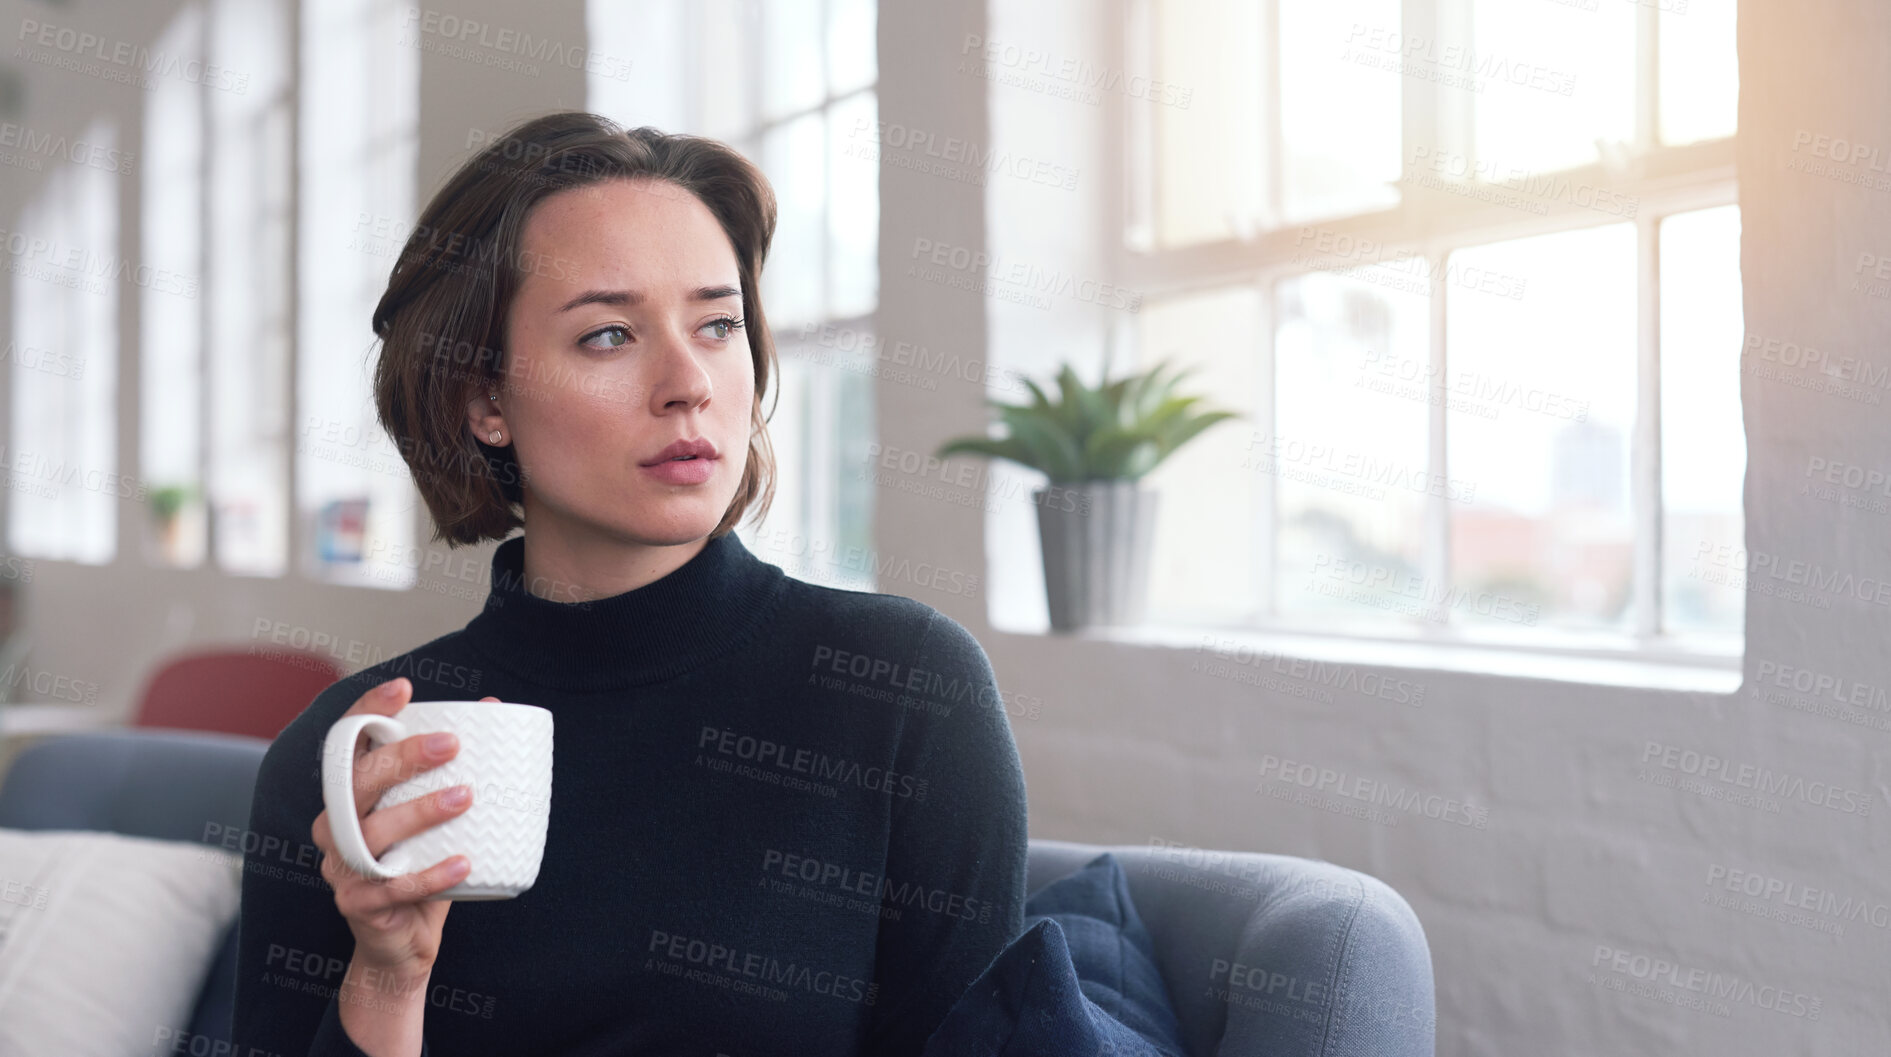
<point x="62" y="464"/>
<point x="355" y="496"/>
<point x="218" y="367"/>
<point x="1470" y="268"/>
<point x="249" y="333"/>
<point x="789" y="83"/>
<point x="170" y="385"/>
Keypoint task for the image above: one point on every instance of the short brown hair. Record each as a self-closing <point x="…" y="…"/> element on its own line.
<point x="452" y="287"/>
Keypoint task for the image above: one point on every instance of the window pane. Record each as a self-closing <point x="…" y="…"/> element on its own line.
<point x="63" y="466"/>
<point x="852" y="52"/>
<point x="1703" y="439"/>
<point x="725" y="85"/>
<point x="354" y="492"/>
<point x="853" y="211"/>
<point x="170" y="434"/>
<point x="649" y="89"/>
<point x="794" y="157"/>
<point x="1548" y="80"/>
<point x="791" y="58"/>
<point x="1541" y="405"/>
<point x="1700" y="72"/>
<point x="1348" y="451"/>
<point x="249" y="339"/>
<point x="1206" y="505"/>
<point x="1339" y="119"/>
<point x="1207" y="155"/>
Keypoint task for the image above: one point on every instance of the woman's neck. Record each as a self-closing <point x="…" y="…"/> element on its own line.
<point x="564" y="564"/>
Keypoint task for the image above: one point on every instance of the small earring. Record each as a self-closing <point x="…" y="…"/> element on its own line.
<point x="495" y="437"/>
<point x="494" y="397"/>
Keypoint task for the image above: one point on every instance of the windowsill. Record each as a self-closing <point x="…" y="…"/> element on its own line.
<point x="34" y="718"/>
<point x="1697" y="673"/>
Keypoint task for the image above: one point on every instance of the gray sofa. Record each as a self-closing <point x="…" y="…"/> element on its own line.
<point x="1264" y="955"/>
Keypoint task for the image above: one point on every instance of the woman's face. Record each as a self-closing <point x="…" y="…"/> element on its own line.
<point x="619" y="344"/>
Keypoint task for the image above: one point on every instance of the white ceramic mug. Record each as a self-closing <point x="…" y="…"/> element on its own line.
<point x="505" y="757"/>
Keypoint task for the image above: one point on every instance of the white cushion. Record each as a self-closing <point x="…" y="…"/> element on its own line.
<point x="105" y="940"/>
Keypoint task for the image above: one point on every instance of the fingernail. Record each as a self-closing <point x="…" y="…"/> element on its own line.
<point x="391" y="687"/>
<point x="439" y="744"/>
<point x="456" y="796"/>
<point x="461" y="867"/>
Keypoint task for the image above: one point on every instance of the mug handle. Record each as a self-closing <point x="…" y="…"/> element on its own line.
<point x="338" y="787"/>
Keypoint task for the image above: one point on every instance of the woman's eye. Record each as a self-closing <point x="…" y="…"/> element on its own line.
<point x="623" y="333"/>
<point x="725" y="325"/>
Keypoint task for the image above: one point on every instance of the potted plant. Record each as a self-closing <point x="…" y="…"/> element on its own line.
<point x="1095" y="520"/>
<point x="167" y="506"/>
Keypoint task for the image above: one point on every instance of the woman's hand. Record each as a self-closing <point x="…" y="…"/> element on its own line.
<point x="397" y="930"/>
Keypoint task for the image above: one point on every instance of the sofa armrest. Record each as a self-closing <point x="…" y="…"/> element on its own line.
<point x="1273" y="955"/>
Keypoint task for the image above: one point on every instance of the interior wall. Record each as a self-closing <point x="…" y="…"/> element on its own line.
<point x="106" y="626"/>
<point x="1578" y="857"/>
<point x="1571" y="871"/>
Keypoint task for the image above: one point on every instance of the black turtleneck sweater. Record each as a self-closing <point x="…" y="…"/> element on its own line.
<point x="785" y="819"/>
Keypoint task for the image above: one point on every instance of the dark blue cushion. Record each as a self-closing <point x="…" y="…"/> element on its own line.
<point x="1082" y="979"/>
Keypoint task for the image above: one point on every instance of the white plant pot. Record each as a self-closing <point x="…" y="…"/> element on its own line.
<point x="1096" y="542"/>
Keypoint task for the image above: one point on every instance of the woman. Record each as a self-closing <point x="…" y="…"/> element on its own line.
<point x="786" y="818"/>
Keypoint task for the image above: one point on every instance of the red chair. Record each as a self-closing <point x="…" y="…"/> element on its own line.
<point x="254" y="691"/>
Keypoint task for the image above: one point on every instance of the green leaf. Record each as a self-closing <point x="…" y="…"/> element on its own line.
<point x="1052" y="448"/>
<point x="1121" y="429"/>
<point x="1008" y="448"/>
<point x="1187" y="430"/>
<point x="1042" y="402"/>
<point x="1110" y="451"/>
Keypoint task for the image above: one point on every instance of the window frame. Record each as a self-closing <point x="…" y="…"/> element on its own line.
<point x="1662" y="179"/>
<point x="814" y="395"/>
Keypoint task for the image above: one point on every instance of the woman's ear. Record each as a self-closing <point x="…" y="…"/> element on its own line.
<point x="488" y="423"/>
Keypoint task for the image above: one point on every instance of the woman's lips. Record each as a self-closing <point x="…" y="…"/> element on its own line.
<point x="683" y="471"/>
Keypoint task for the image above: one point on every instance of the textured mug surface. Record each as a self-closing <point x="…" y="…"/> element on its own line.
<point x="505" y="757"/>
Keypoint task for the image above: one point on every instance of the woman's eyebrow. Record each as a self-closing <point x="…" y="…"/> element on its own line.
<point x="633" y="298"/>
